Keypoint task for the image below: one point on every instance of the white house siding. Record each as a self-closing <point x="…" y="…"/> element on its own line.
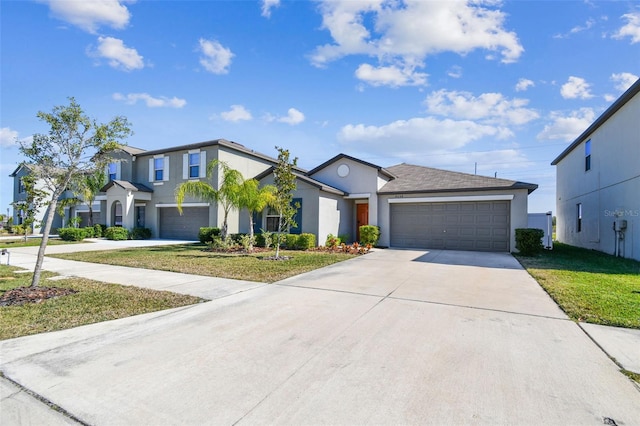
<point x="609" y="191"/>
<point x="329" y="217"/>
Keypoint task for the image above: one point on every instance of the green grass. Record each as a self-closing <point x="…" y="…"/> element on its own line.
<point x="193" y="259"/>
<point x="94" y="302"/>
<point x="589" y="286"/>
<point x="31" y="242"/>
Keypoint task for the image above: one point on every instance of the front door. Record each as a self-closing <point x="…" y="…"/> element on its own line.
<point x="362" y="217"/>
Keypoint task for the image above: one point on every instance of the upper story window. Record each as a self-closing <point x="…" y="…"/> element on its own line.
<point x="159" y="168"/>
<point x="112" y="171"/>
<point x="21" y="188"/>
<point x="194" y="164"/>
<point x="587" y="155"/>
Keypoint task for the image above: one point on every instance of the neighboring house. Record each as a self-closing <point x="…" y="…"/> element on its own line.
<point x="414" y="206"/>
<point x="598" y="182"/>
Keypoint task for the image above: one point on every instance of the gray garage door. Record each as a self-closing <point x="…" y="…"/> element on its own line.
<point x="477" y="225"/>
<point x="185" y="227"/>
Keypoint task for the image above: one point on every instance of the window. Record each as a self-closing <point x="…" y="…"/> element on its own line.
<point x="194" y="165"/>
<point x="158" y="168"/>
<point x="21" y="187"/>
<point x="140" y="216"/>
<point x="587" y="156"/>
<point x="112" y="170"/>
<point x="578" y="217"/>
<point x="272" y="218"/>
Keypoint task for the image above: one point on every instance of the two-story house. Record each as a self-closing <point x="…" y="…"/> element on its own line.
<point x="598" y="182"/>
<point x="414" y="206"/>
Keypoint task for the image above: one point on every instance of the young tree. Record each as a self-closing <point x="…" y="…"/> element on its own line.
<point x="255" y="199"/>
<point x="285" y="183"/>
<point x="227" y="194"/>
<point x="75" y="146"/>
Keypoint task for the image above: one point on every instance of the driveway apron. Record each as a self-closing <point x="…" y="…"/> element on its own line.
<point x="393" y="337"/>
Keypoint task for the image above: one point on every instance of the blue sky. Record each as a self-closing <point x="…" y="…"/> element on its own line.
<point x="501" y="87"/>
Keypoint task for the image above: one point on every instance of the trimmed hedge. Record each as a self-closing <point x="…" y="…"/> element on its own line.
<point x="116" y="233"/>
<point x="300" y="241"/>
<point x="140" y="234"/>
<point x="206" y="234"/>
<point x="529" y="241"/>
<point x="89" y="231"/>
<point x="98" y="230"/>
<point x="369" y="234"/>
<point x="72" y="234"/>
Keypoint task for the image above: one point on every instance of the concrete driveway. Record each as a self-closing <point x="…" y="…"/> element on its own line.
<point x="393" y="337"/>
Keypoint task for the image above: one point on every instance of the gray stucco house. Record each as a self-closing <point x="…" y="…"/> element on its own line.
<point x="414" y="206"/>
<point x="598" y="182"/>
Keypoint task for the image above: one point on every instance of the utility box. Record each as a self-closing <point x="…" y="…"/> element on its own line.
<point x="542" y="221"/>
<point x="620" y="225"/>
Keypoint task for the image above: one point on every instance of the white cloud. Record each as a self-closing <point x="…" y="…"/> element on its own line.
<point x="524" y="84"/>
<point x="215" y="57"/>
<point x="489" y="108"/>
<point x="267" y="5"/>
<point x="455" y="71"/>
<point x="293" y="117"/>
<point x="8" y="137"/>
<point x="390" y="76"/>
<point x="407" y="32"/>
<point x="150" y="101"/>
<point x="236" y="113"/>
<point x="117" y="54"/>
<point x="631" y="29"/>
<point x="90" y="15"/>
<point x="416" y="135"/>
<point x="576" y="87"/>
<point x="623" y="80"/>
<point x="567" y="128"/>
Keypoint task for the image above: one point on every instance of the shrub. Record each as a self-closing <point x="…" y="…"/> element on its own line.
<point x="246" y="241"/>
<point x="72" y="234"/>
<point x="140" y="234"/>
<point x="265" y="239"/>
<point x="332" y="241"/>
<point x="237" y="238"/>
<point x="290" y="241"/>
<point x="529" y="240"/>
<point x="116" y="233"/>
<point x="89" y="231"/>
<point x="306" y="241"/>
<point x="217" y="243"/>
<point x="369" y="235"/>
<point x="97" y="230"/>
<point x="18" y="229"/>
<point x="206" y="234"/>
<point x="345" y="238"/>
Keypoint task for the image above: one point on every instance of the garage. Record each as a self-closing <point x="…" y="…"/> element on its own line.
<point x="173" y="226"/>
<point x="472" y="225"/>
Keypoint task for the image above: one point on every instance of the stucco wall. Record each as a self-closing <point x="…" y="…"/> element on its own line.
<point x="610" y="190"/>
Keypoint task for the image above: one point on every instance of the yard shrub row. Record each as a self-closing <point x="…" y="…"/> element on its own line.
<point x="529" y="240"/>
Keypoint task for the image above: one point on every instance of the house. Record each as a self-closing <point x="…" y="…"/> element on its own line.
<point x="414" y="206"/>
<point x="598" y="182"/>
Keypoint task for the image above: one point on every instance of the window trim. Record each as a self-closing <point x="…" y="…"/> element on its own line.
<point x="153" y="170"/>
<point x="186" y="164"/>
<point x="579" y="217"/>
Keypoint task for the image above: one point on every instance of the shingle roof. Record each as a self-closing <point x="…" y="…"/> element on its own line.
<point x="304" y="178"/>
<point x="125" y="184"/>
<point x="619" y="103"/>
<point x="415" y="179"/>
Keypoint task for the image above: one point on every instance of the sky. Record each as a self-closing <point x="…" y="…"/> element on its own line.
<point x="497" y="88"/>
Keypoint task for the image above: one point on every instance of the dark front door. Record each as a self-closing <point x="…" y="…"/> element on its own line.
<point x="362" y="217"/>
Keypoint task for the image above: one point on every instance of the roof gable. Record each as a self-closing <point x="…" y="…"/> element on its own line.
<point x="415" y="179"/>
<point x="619" y="103"/>
<point x="338" y="157"/>
<point x="126" y="185"/>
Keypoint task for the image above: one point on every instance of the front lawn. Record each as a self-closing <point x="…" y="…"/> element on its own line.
<point x="195" y="259"/>
<point x="589" y="286"/>
<point x="20" y="242"/>
<point x="93" y="302"/>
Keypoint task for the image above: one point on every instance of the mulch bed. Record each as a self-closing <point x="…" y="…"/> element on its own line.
<point x="22" y="295"/>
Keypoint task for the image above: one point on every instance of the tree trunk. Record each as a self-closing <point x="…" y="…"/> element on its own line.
<point x="37" y="271"/>
<point x="90" y="221"/>
<point x="278" y="236"/>
<point x="250" y="231"/>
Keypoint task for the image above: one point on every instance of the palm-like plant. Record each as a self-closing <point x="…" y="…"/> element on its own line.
<point x="227" y="194"/>
<point x="89" y="186"/>
<point x="255" y="199"/>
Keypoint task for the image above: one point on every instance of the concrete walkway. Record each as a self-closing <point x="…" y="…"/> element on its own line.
<point x="396" y="336"/>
